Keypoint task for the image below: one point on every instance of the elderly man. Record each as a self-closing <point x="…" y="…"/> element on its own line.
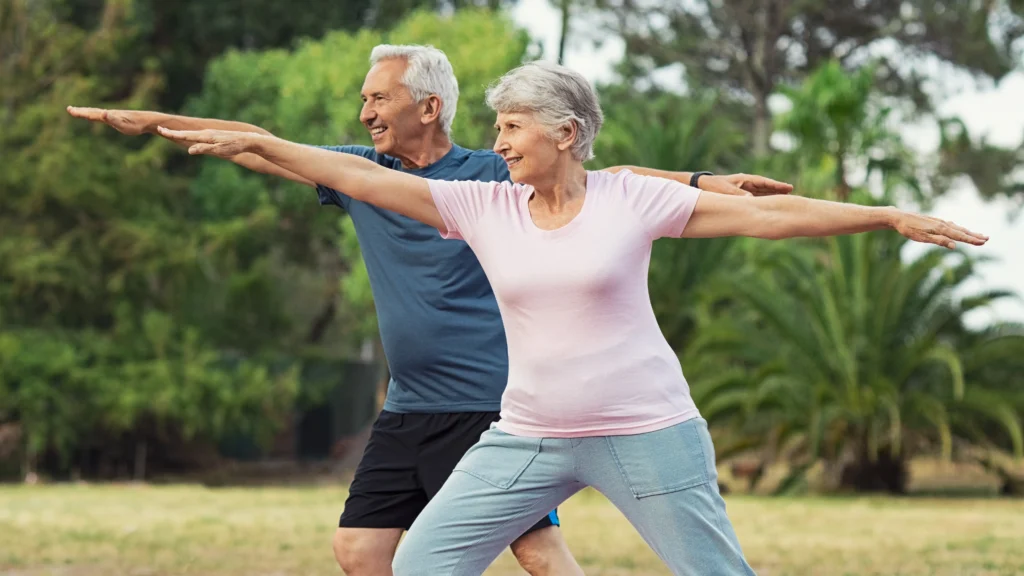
<point x="439" y="320"/>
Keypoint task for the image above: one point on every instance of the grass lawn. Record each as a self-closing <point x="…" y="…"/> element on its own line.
<point x="149" y="530"/>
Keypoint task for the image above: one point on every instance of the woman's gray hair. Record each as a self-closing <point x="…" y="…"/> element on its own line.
<point x="427" y="72"/>
<point x="556" y="95"/>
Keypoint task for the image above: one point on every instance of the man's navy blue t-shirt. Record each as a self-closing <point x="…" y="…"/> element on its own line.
<point x="439" y="322"/>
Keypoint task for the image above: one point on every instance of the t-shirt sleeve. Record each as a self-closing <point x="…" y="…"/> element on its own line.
<point x="663" y="206"/>
<point x="462" y="204"/>
<point x="330" y="196"/>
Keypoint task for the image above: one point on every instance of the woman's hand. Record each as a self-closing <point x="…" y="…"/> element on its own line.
<point x="221" y="143"/>
<point x="931" y="230"/>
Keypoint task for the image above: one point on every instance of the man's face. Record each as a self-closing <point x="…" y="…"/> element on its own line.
<point x="389" y="111"/>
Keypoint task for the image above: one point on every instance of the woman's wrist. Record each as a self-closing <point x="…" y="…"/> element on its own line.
<point x="888" y="216"/>
<point x="259" y="144"/>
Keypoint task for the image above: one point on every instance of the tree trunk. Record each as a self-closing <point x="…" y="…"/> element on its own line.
<point x="564" y="7"/>
<point x="886" y="473"/>
<point x="140" y="460"/>
<point x="762" y="126"/>
<point x="842" y="186"/>
<point x="28" y="467"/>
<point x="323" y="320"/>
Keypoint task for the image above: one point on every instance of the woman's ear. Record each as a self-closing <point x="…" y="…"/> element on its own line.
<point x="567" y="135"/>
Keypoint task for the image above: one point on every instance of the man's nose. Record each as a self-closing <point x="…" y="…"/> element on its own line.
<point x="367" y="113"/>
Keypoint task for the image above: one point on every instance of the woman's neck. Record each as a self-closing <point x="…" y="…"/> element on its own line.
<point x="565" y="184"/>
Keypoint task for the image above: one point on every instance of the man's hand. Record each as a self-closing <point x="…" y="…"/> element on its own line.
<point x="130" y="122"/>
<point x="221" y="143"/>
<point x="743" y="185"/>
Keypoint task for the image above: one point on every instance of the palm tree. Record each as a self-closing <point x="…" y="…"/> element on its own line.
<point x="845" y="353"/>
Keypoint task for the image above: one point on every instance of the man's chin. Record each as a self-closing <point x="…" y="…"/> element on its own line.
<point x="384" y="147"/>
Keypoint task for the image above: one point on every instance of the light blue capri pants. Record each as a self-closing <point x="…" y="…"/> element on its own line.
<point x="664" y="482"/>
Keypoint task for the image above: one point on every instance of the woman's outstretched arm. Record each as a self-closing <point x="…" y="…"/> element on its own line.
<point x="360" y="178"/>
<point x="776" y="217"/>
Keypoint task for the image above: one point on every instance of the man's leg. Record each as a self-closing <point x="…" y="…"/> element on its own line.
<point x="542" y="550"/>
<point x="383" y="500"/>
<point x="366" y="551"/>
<point x="502" y="486"/>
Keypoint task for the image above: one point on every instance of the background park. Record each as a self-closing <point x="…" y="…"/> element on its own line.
<point x="188" y="352"/>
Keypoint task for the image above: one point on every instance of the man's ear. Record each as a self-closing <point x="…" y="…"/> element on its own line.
<point x="431" y="109"/>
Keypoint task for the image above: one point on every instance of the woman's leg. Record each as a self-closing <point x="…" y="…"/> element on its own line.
<point x="502" y="487"/>
<point x="666" y="484"/>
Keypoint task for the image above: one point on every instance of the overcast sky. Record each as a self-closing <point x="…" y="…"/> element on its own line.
<point x="995" y="111"/>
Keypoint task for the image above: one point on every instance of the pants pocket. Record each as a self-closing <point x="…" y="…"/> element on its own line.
<point x="499" y="458"/>
<point x="668" y="460"/>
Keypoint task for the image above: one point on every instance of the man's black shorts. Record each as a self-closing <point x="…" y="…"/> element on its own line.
<point x="407" y="460"/>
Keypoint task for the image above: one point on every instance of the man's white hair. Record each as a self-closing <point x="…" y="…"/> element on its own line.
<point x="427" y="72"/>
<point x="556" y="95"/>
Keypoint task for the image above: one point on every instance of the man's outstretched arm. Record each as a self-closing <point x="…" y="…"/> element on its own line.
<point x="135" y="122"/>
<point x="730" y="184"/>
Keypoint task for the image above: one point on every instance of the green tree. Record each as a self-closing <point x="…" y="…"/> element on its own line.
<point x="751" y="47"/>
<point x="179" y="38"/>
<point x="840" y="129"/>
<point x="99" y="255"/>
<point x="311" y="95"/>
<point x="851" y="356"/>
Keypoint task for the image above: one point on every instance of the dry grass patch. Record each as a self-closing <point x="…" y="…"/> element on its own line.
<point x="147" y="530"/>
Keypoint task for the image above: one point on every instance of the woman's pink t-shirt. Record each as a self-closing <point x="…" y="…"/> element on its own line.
<point x="586" y="355"/>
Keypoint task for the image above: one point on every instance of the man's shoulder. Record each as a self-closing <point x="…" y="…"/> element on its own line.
<point x="367" y="152"/>
<point x="483" y="165"/>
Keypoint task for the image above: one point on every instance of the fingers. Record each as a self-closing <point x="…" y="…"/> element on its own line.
<point x="202" y="136"/>
<point x="962" y="235"/>
<point x="775" y="186"/>
<point x="937" y="239"/>
<point x="200" y="148"/>
<point x="95" y="114"/>
<point x="962" y="230"/>
<point x="734" y="190"/>
<point x="760" y="185"/>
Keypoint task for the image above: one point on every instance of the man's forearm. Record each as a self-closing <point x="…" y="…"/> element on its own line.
<point x="681" y="177"/>
<point x="794" y="216"/>
<point x="175" y="122"/>
<point x="246" y="160"/>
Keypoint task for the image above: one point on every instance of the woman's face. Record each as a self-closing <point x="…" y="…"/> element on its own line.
<point x="526" y="146"/>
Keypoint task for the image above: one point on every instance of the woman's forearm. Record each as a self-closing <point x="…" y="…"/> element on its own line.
<point x="353" y="175"/>
<point x="778" y="217"/>
<point x="794" y="216"/>
<point x="346" y="172"/>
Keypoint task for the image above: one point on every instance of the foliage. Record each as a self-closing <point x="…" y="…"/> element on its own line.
<point x="312" y="95"/>
<point x="148" y="294"/>
<point x="842" y="135"/>
<point x="751" y="47"/>
<point x="848" y="354"/>
<point x="99" y="258"/>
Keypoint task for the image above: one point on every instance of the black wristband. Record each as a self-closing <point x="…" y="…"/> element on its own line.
<point x="696" y="176"/>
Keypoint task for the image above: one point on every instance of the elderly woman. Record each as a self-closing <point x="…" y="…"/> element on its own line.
<point x="596" y="397"/>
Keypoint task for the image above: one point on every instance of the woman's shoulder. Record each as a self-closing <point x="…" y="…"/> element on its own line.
<point x="608" y="182"/>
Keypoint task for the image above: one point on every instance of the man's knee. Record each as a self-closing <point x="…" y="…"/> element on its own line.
<point x="536" y="560"/>
<point x="365" y="551"/>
